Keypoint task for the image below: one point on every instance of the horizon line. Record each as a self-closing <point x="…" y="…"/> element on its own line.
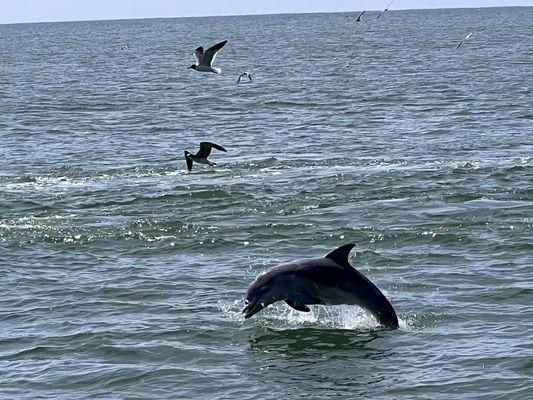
<point x="250" y="15"/>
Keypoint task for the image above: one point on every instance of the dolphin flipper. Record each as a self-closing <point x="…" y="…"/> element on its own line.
<point x="297" y="306"/>
<point x="301" y="298"/>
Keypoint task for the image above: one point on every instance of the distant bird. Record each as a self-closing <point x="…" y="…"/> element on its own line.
<point x="204" y="60"/>
<point x="468" y="36"/>
<point x="350" y="58"/>
<point x="125" y="47"/>
<point x="201" y="156"/>
<point x="244" y="75"/>
<point x="358" y="19"/>
<point x="386" y="9"/>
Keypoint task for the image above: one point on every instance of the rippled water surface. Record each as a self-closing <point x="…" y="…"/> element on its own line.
<point x="123" y="275"/>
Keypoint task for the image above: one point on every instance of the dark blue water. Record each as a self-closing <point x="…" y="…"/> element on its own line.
<point x="123" y="275"/>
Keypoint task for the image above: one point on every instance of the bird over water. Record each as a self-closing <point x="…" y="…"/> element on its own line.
<point x="201" y="156"/>
<point x="468" y="36"/>
<point x="245" y="74"/>
<point x="204" y="60"/>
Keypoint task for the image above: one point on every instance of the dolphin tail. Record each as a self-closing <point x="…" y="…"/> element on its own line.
<point x="386" y="315"/>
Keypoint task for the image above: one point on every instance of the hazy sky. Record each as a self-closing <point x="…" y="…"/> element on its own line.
<point x="73" y="10"/>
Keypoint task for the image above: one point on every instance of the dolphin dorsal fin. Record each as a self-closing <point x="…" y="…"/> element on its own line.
<point x="340" y="254"/>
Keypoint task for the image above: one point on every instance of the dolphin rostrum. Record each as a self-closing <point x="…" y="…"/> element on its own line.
<point x="330" y="280"/>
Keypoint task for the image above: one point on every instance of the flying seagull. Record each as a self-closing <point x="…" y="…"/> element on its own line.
<point x="244" y="75"/>
<point x="386" y="9"/>
<point x="201" y="156"/>
<point x="358" y="19"/>
<point x="204" y="60"/>
<point x="468" y="36"/>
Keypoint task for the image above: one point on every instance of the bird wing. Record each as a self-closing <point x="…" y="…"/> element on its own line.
<point x="386" y="9"/>
<point x="205" y="149"/>
<point x="459" y="45"/>
<point x="199" y="55"/>
<point x="244" y="75"/>
<point x="189" y="162"/>
<point x="360" y="15"/>
<point x="351" y="57"/>
<point x="211" y="53"/>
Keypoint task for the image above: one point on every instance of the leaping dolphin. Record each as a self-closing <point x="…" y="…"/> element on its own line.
<point x="330" y="280"/>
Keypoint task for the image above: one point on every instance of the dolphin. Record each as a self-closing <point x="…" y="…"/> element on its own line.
<point x="330" y="280"/>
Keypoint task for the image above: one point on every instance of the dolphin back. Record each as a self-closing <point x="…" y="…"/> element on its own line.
<point x="373" y="300"/>
<point x="355" y="288"/>
<point x="329" y="283"/>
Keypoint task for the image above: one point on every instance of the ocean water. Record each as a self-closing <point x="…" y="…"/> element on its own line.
<point x="123" y="275"/>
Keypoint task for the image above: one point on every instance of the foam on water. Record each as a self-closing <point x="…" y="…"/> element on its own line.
<point x="281" y="316"/>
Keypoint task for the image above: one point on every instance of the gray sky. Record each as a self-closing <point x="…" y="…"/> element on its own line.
<point x="12" y="11"/>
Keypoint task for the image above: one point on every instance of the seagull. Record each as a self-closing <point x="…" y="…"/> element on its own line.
<point x="245" y="74"/>
<point x="358" y="19"/>
<point x="201" y="156"/>
<point x="468" y="36"/>
<point x="204" y="60"/>
<point x="386" y="9"/>
<point x="125" y="47"/>
<point x="350" y="58"/>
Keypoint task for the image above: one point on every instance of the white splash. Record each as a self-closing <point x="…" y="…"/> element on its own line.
<point x="281" y="316"/>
